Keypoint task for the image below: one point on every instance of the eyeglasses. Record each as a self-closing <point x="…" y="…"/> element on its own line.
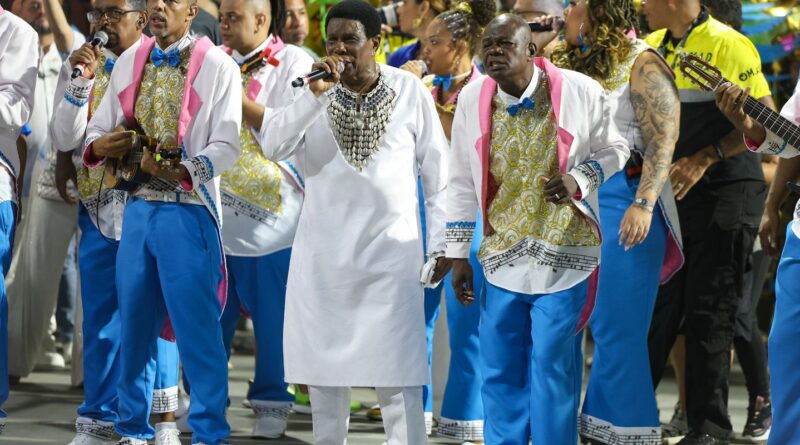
<point x="112" y="15"/>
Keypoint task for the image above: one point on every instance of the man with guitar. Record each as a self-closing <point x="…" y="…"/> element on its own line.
<point x="720" y="192"/>
<point x="261" y="201"/>
<point x="184" y="94"/>
<point x="766" y="132"/>
<point x="100" y="221"/>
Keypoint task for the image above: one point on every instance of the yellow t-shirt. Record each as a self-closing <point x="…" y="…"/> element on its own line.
<point x="721" y="46"/>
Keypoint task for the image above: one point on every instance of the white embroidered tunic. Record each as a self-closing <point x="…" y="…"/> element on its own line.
<point x="354" y="302"/>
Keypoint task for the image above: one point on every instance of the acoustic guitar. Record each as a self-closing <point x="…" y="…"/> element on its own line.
<point x="125" y="173"/>
<point x="709" y="78"/>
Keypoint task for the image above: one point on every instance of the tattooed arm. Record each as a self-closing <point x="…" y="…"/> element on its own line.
<point x="657" y="107"/>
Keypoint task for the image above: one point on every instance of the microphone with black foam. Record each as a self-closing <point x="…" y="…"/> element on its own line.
<point x="317" y="74"/>
<point x="546" y="27"/>
<point x="100" y="40"/>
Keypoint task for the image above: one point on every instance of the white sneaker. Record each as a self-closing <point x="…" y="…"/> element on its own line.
<point x="86" y="439"/>
<point x="93" y="432"/>
<point x="131" y="441"/>
<point x="49" y="361"/>
<point x="167" y="433"/>
<point x="271" y="419"/>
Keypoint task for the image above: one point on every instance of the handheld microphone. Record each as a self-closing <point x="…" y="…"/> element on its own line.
<point x="315" y="75"/>
<point x="424" y="67"/>
<point x="100" y="40"/>
<point x="546" y="27"/>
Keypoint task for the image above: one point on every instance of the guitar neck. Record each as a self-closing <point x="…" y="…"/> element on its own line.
<point x="773" y="121"/>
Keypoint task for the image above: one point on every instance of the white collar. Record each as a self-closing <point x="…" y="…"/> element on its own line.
<point x="182" y="43"/>
<point x="510" y="100"/>
<point x="239" y="58"/>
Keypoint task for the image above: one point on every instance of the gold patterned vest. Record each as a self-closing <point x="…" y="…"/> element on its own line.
<point x="89" y="180"/>
<point x="254" y="178"/>
<point x="524" y="150"/>
<point x="158" y="109"/>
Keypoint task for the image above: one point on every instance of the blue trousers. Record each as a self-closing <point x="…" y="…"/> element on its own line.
<point x="620" y="392"/>
<point x="784" y="351"/>
<point x="532" y="366"/>
<point x="169" y="263"/>
<point x="259" y="285"/>
<point x="7" y="209"/>
<point x="101" y="326"/>
<point x="462" y="396"/>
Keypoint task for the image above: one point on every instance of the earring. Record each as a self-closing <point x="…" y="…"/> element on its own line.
<point x="581" y="41"/>
<point x="417" y="22"/>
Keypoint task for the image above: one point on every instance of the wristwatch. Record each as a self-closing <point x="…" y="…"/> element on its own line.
<point x="644" y="203"/>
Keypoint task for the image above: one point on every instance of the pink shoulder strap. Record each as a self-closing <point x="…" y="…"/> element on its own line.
<point x="127" y="97"/>
<point x="191" y="101"/>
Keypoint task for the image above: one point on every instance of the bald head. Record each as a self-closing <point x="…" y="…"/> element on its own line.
<point x="507" y="52"/>
<point x="511" y="27"/>
<point x="244" y="24"/>
<point x="258" y="6"/>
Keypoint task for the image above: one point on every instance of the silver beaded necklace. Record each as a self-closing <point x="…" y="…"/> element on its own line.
<point x="359" y="121"/>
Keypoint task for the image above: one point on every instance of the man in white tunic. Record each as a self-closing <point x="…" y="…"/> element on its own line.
<point x="18" y="44"/>
<point x="261" y="202"/>
<point x="186" y="93"/>
<point x="354" y="305"/>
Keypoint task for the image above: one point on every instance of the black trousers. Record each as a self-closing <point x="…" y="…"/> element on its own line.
<point x="748" y="340"/>
<point x="705" y="295"/>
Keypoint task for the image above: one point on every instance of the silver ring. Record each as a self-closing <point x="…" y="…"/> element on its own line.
<point x="680" y="185"/>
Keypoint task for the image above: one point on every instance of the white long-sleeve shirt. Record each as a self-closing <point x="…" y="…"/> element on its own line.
<point x="19" y="49"/>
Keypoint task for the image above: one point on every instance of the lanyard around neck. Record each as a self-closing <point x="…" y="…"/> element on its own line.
<point x="662" y="49"/>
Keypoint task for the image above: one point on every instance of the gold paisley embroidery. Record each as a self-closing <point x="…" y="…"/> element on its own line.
<point x="254" y="177"/>
<point x="89" y="179"/>
<point x="523" y="151"/>
<point x="158" y="107"/>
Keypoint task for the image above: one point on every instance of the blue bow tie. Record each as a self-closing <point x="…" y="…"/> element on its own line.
<point x="443" y="81"/>
<point x="526" y="104"/>
<point x="109" y="66"/>
<point x="158" y="57"/>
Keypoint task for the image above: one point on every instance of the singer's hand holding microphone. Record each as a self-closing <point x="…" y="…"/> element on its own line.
<point x="544" y="30"/>
<point x="86" y="59"/>
<point x="324" y="75"/>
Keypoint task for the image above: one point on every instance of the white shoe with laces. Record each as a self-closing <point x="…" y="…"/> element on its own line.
<point x="271" y="419"/>
<point x="167" y="433"/>
<point x="93" y="432"/>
